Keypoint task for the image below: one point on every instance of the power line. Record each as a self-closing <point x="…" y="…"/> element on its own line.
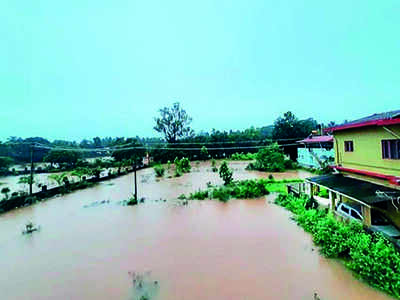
<point x="38" y="146"/>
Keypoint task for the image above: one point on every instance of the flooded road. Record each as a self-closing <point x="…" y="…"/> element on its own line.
<point x="247" y="249"/>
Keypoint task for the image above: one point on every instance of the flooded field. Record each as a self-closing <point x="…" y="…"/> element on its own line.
<point x="247" y="249"/>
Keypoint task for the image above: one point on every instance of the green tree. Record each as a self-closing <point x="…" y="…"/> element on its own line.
<point x="225" y="173"/>
<point x="81" y="172"/>
<point x="204" y="153"/>
<point x="62" y="156"/>
<point x="289" y="126"/>
<point x="132" y="150"/>
<point x="5" y="191"/>
<point x="5" y="162"/>
<point x="174" y="123"/>
<point x="270" y="158"/>
<point x="60" y="179"/>
<point x="26" y="180"/>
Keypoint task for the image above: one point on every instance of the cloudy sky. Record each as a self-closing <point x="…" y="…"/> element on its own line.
<point x="75" y="69"/>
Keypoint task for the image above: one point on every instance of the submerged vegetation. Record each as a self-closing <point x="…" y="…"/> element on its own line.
<point x="271" y="159"/>
<point x="225" y="173"/>
<point x="182" y="166"/>
<point x="243" y="189"/>
<point x="371" y="256"/>
<point x="159" y="170"/>
<point x="243" y="156"/>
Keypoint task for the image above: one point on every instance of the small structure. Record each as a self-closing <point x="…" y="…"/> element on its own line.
<point x="317" y="152"/>
<point x="348" y="189"/>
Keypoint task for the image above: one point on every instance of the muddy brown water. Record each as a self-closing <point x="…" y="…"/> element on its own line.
<point x="244" y="249"/>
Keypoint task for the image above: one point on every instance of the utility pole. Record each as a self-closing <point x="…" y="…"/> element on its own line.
<point x="31" y="177"/>
<point x="135" y="182"/>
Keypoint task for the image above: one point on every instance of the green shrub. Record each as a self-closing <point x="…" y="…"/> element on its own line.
<point x="132" y="201"/>
<point x="182" y="197"/>
<point x="225" y="173"/>
<point x="323" y="193"/>
<point x="159" y="170"/>
<point x="214" y="165"/>
<point x="182" y="166"/>
<point x="222" y="194"/>
<point x="270" y="159"/>
<point x="370" y="256"/>
<point x="204" y="153"/>
<point x="242" y="156"/>
<point x="199" y="195"/>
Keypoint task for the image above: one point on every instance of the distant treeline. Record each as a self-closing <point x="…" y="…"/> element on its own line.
<point x="217" y="144"/>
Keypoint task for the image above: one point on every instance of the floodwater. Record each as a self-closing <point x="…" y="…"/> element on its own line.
<point x="243" y="249"/>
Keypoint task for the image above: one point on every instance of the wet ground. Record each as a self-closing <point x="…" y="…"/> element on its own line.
<point x="244" y="249"/>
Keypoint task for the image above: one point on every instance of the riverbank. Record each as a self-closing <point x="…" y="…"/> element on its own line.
<point x="25" y="199"/>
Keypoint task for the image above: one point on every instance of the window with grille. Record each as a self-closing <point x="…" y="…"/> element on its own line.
<point x="391" y="149"/>
<point x="348" y="146"/>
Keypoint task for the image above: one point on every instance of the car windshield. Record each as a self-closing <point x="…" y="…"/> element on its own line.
<point x="378" y="218"/>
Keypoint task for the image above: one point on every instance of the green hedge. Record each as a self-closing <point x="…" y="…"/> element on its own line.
<point x="371" y="256"/>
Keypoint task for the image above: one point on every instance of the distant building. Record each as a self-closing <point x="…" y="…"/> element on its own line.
<point x="317" y="152"/>
<point x="367" y="165"/>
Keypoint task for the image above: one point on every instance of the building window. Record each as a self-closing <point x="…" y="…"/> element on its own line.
<point x="391" y="149"/>
<point x="348" y="146"/>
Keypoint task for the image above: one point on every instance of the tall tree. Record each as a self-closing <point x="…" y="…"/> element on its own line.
<point x="289" y="126"/>
<point x="174" y="123"/>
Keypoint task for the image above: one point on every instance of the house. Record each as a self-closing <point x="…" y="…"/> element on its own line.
<point x="367" y="165"/>
<point x="317" y="152"/>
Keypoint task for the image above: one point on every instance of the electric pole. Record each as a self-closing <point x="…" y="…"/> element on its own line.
<point x="31" y="177"/>
<point x="135" y="182"/>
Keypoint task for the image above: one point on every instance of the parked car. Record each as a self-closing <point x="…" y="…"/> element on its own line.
<point x="379" y="222"/>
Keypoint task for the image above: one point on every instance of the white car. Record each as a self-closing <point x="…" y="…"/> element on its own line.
<point x="378" y="220"/>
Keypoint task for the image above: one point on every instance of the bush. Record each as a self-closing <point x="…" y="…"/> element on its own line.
<point x="214" y="165"/>
<point x="199" y="195"/>
<point x="370" y="256"/>
<point x="222" y="194"/>
<point x="182" y="166"/>
<point x="270" y="159"/>
<point x="132" y="201"/>
<point x="242" y="156"/>
<point x="225" y="173"/>
<point x="323" y="193"/>
<point x="159" y="170"/>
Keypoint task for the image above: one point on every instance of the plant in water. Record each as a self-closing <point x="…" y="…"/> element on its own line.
<point x="60" y="179"/>
<point x="5" y="191"/>
<point x="270" y="159"/>
<point x="204" y="153"/>
<point x="214" y="165"/>
<point x="132" y="201"/>
<point x="182" y="166"/>
<point x="199" y="195"/>
<point x="26" y="180"/>
<point x="159" y="170"/>
<point x="225" y="173"/>
<point x="370" y="256"/>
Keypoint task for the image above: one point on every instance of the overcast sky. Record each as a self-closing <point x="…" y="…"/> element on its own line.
<point x="78" y="69"/>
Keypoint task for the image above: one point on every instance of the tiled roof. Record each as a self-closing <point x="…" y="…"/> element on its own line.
<point x="375" y="117"/>
<point x="381" y="119"/>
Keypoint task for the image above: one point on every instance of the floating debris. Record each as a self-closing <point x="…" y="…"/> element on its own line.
<point x="144" y="288"/>
<point x="316" y="297"/>
<point x="97" y="203"/>
<point x="30" y="228"/>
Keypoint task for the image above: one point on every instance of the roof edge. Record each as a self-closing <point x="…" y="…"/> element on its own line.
<point x="363" y="124"/>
